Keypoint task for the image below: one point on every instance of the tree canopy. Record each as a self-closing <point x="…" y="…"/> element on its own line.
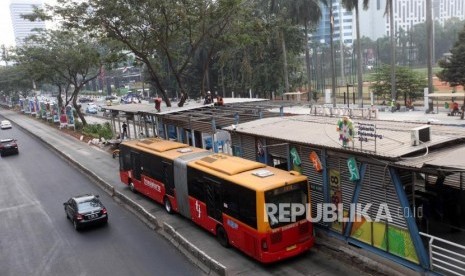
<point x="453" y="67"/>
<point x="64" y="58"/>
<point x="409" y="83"/>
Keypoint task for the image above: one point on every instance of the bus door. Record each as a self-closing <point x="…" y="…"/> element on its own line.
<point x="168" y="178"/>
<point x="135" y="164"/>
<point x="213" y="199"/>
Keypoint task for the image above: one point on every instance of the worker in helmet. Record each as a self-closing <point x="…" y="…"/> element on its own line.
<point x="208" y="98"/>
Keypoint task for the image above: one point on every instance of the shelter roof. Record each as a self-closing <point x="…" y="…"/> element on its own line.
<point x="321" y="132"/>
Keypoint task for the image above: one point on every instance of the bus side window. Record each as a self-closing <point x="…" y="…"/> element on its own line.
<point x="239" y="202"/>
<point x="125" y="159"/>
<point x="156" y="168"/>
<point x="248" y="206"/>
<point x="196" y="184"/>
<point x="230" y="206"/>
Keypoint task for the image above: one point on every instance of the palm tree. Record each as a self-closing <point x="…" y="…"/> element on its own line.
<point x="278" y="8"/>
<point x="351" y="5"/>
<point x="305" y="13"/>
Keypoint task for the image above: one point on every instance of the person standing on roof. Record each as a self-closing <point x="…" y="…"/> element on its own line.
<point x="158" y="104"/>
<point x="219" y="100"/>
<point x="208" y="98"/>
<point x="125" y="130"/>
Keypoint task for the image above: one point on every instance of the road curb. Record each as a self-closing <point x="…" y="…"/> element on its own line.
<point x="150" y="220"/>
<point x="213" y="267"/>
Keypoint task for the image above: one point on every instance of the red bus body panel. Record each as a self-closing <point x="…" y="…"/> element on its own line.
<point x="281" y="242"/>
<point x="124" y="176"/>
<point x="199" y="215"/>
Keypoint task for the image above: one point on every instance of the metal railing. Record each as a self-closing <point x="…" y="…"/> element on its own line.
<point x="445" y="257"/>
<point x="353" y="112"/>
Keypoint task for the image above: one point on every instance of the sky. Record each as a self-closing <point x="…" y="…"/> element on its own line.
<point x="6" y="28"/>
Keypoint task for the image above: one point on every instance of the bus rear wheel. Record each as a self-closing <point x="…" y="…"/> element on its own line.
<point x="131" y="187"/>
<point x="168" y="207"/>
<point x="222" y="236"/>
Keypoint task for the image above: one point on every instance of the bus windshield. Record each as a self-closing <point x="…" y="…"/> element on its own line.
<point x="287" y="204"/>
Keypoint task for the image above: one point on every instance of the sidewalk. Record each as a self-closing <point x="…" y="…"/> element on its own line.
<point x="419" y="116"/>
<point x="198" y="245"/>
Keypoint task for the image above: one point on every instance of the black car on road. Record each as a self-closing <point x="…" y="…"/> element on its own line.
<point x="8" y="146"/>
<point x="85" y="100"/>
<point x="85" y="210"/>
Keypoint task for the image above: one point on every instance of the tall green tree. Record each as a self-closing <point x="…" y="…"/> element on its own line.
<point x="251" y="56"/>
<point x="306" y="13"/>
<point x="453" y="67"/>
<point x="70" y="56"/>
<point x="279" y="10"/>
<point x="34" y="60"/>
<point x="15" y="81"/>
<point x="162" y="32"/>
<point x="354" y="5"/>
<point x="409" y="83"/>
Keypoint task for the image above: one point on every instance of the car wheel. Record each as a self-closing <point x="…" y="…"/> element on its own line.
<point x="76" y="226"/>
<point x="168" y="207"/>
<point x="131" y="187"/>
<point x="222" y="236"/>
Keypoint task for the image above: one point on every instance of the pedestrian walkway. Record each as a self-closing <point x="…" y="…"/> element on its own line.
<point x="439" y="117"/>
<point x="419" y="116"/>
<point x="197" y="244"/>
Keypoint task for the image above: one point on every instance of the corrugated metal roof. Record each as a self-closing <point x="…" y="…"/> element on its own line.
<point x="321" y="132"/>
<point x="189" y="105"/>
<point x="449" y="158"/>
<point x="131" y="108"/>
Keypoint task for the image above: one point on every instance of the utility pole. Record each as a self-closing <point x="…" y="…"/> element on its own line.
<point x="393" y="50"/>
<point x="429" y="37"/>
<point x="341" y="44"/>
<point x="333" y="66"/>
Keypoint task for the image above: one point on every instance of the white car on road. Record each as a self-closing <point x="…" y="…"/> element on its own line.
<point x="5" y="124"/>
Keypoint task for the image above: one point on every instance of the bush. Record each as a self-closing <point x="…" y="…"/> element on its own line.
<point x="78" y="125"/>
<point x="98" y="130"/>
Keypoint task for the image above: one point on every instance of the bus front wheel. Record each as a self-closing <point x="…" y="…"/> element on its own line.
<point x="168" y="207"/>
<point x="222" y="236"/>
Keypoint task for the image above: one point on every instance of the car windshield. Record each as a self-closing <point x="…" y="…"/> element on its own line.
<point x="89" y="204"/>
<point x="6" y="141"/>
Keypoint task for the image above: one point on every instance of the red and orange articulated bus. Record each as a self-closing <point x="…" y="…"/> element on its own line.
<point x="226" y="195"/>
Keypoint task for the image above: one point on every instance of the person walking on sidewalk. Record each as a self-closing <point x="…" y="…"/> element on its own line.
<point x="125" y="131"/>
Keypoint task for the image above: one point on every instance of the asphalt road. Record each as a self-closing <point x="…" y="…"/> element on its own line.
<point x="37" y="239"/>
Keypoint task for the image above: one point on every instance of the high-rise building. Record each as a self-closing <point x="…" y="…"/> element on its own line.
<point x="407" y="13"/>
<point x="344" y="26"/>
<point x="23" y="27"/>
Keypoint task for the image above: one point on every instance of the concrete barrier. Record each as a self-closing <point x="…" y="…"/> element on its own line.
<point x="208" y="264"/>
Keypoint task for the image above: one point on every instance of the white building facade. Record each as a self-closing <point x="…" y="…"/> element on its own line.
<point x="407" y="13"/>
<point x="22" y="27"/>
